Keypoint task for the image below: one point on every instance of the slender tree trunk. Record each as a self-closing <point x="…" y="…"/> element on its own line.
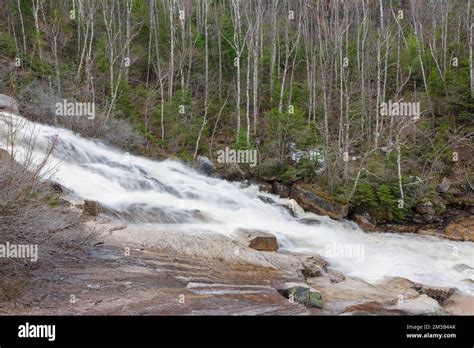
<point x="172" y="35"/>
<point x="22" y="28"/>
<point x="206" y="88"/>
<point x="471" y="30"/>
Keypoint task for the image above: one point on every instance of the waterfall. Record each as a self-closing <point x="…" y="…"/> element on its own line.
<point x="175" y="197"/>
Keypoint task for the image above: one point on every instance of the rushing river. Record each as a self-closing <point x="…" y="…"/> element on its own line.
<point x="176" y="197"/>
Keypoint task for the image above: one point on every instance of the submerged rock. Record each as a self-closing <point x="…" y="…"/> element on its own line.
<point x="311" y="198"/>
<point x="302" y="293"/>
<point x="258" y="240"/>
<point x="266" y="199"/>
<point x="309" y="221"/>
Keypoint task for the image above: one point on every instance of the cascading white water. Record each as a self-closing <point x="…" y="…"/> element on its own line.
<point x="176" y="197"/>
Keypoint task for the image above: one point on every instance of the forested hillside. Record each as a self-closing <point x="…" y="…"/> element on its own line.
<point x="373" y="101"/>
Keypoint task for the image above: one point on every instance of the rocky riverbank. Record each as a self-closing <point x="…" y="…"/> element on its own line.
<point x="450" y="216"/>
<point x="134" y="270"/>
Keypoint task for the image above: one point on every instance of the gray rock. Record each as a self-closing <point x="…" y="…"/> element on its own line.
<point x="205" y="165"/>
<point x="445" y="185"/>
<point x="8" y="104"/>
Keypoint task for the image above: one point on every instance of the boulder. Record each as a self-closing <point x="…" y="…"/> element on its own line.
<point x="364" y="222"/>
<point x="258" y="240"/>
<point x="262" y="185"/>
<point x="336" y="277"/>
<point x="5" y="156"/>
<point x="313" y="266"/>
<point x="294" y="207"/>
<point x="232" y="173"/>
<point x="280" y="189"/>
<point x="92" y="208"/>
<point x="426" y="208"/>
<point x="9" y="162"/>
<point x="204" y="165"/>
<point x="420" y="305"/>
<point x="311" y="198"/>
<point x="8" y="104"/>
<point x="302" y="293"/>
<point x="445" y="185"/>
<point x="461" y="229"/>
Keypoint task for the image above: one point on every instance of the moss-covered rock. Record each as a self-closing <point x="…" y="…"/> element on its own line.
<point x="313" y="199"/>
<point x="303" y="294"/>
